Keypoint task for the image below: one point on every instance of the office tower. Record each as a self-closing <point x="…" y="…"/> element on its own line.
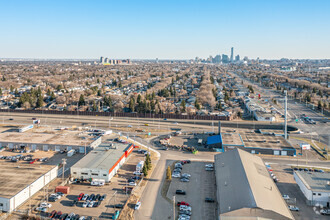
<point x="232" y="55"/>
<point x="102" y="60"/>
<point x="106" y="60"/>
<point x="225" y="58"/>
<point x="237" y="58"/>
<point x="217" y="59"/>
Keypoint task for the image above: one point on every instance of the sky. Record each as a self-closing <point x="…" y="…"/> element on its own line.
<point x="178" y="29"/>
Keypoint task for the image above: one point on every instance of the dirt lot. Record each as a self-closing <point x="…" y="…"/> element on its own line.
<point x="200" y="186"/>
<point x="113" y="190"/>
<point x="288" y="186"/>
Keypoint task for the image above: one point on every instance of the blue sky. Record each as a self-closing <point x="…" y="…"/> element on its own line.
<point x="177" y="29"/>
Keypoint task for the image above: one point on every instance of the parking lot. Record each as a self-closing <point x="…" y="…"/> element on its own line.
<point x="115" y="193"/>
<point x="200" y="186"/>
<point x="288" y="186"/>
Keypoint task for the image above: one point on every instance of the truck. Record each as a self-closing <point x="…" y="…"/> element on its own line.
<point x="200" y="141"/>
<point x="71" y="153"/>
<point x="139" y="166"/>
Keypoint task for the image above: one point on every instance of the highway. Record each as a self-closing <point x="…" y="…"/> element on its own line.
<point x="319" y="131"/>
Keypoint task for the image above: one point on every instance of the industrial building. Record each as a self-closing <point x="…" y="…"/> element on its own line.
<point x="315" y="186"/>
<point x="53" y="140"/>
<point x="103" y="162"/>
<point x="256" y="143"/>
<point x="19" y="182"/>
<point x="245" y="189"/>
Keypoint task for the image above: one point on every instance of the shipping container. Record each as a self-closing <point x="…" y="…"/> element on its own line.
<point x="62" y="189"/>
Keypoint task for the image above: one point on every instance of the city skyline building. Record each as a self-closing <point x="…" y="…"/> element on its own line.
<point x="232" y="54"/>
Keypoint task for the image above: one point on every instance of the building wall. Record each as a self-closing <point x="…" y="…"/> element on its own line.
<point x="87" y="173"/>
<point x="52" y="147"/>
<point x="313" y="197"/>
<point x="10" y="204"/>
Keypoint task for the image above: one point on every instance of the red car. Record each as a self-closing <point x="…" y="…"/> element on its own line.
<point x="81" y="195"/>
<point x="183" y="203"/>
<point x="52" y="214"/>
<point x="34" y="160"/>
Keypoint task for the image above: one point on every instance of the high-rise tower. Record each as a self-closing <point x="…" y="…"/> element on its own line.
<point x="232" y="55"/>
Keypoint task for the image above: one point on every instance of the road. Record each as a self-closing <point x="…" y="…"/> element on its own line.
<point x="319" y="131"/>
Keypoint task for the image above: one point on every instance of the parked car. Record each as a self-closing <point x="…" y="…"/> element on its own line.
<point x="137" y="173"/>
<point x="185" y="212"/>
<point x="91" y="204"/>
<point x="186" y="175"/>
<point x="80" y="196"/>
<point x="97" y="197"/>
<point x="184" y="207"/>
<point x="184" y="180"/>
<point x="209" y="169"/>
<point x="45" y="204"/>
<point x="132" y="183"/>
<point x="85" y="204"/>
<point x="209" y="199"/>
<point x="41" y="209"/>
<point x="58" y="215"/>
<point x="70" y="216"/>
<point x="209" y="165"/>
<point x="182" y="203"/>
<point x="84" y="198"/>
<point x="325" y="211"/>
<point x="52" y="214"/>
<point x="180" y="192"/>
<point x="63" y="216"/>
<point x="176" y="175"/>
<point x="293" y="208"/>
<point x="137" y="205"/>
<point x="103" y="197"/>
<point x="286" y="197"/>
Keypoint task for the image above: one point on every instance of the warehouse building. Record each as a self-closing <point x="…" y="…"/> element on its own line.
<point x="315" y="186"/>
<point x="254" y="143"/>
<point x="19" y="182"/>
<point x="103" y="162"/>
<point x="245" y="189"/>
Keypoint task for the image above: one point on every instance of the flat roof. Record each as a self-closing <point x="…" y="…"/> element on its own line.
<point x="215" y="139"/>
<point x="45" y="136"/>
<point x="315" y="181"/>
<point x="103" y="157"/>
<point x="243" y="182"/>
<point x="14" y="177"/>
<point x="256" y="140"/>
<point x="232" y="139"/>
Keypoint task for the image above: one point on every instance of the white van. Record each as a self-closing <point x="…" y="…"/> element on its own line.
<point x="98" y="182"/>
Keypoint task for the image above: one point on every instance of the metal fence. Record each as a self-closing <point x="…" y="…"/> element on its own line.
<point x="122" y="114"/>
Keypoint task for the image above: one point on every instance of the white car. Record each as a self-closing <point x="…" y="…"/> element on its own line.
<point x="186" y="175"/>
<point x="176" y="175"/>
<point x="137" y="173"/>
<point x="41" y="209"/>
<point x="82" y="218"/>
<point x="55" y="195"/>
<point x="130" y="126"/>
<point x="184" y="207"/>
<point x="90" y="204"/>
<point x="132" y="183"/>
<point x="209" y="165"/>
<point x="85" y="204"/>
<point x="175" y="123"/>
<point x="45" y="204"/>
<point x="286" y="197"/>
<point x="209" y="168"/>
<point x="293" y="208"/>
<point x="137" y="205"/>
<point x="84" y="197"/>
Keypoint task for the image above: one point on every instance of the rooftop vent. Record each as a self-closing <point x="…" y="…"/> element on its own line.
<point x="328" y="183"/>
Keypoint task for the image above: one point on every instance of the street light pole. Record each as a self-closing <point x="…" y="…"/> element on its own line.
<point x="285" y="114"/>
<point x="173" y="207"/>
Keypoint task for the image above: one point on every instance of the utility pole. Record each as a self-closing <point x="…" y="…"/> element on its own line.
<point x="63" y="163"/>
<point x="285" y="114"/>
<point x="173" y="207"/>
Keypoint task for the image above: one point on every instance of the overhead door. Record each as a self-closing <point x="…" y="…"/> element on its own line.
<point x="45" y="147"/>
<point x="57" y="148"/>
<point x="34" y="147"/>
<point x="11" y="146"/>
<point x="81" y="150"/>
<point x="284" y="153"/>
<point x="276" y="152"/>
<point x="69" y="148"/>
